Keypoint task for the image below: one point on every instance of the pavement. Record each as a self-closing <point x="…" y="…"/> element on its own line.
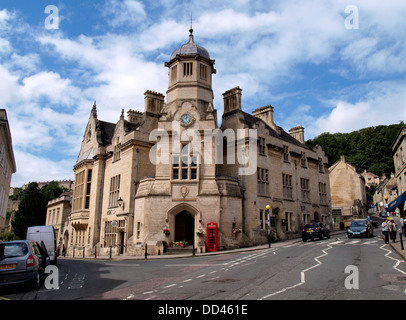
<point x="399" y="245"/>
<point x="188" y="255"/>
<point x="396" y="246"/>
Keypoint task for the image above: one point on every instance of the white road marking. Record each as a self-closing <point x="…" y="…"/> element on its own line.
<point x="302" y="275"/>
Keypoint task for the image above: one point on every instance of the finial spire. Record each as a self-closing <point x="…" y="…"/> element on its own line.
<point x="191" y="40"/>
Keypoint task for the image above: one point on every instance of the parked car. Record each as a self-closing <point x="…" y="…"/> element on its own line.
<point x="315" y="230"/>
<point x="44" y="234"/>
<point x="360" y="227"/>
<point x="23" y="261"/>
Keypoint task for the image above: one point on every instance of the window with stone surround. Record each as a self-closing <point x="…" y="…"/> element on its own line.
<point x="78" y="193"/>
<point x="110" y="233"/>
<point x="323" y="193"/>
<point x="114" y="191"/>
<point x="184" y="167"/>
<point x="263" y="181"/>
<point x="304" y="187"/>
<point x="287" y="186"/>
<point x="261" y="146"/>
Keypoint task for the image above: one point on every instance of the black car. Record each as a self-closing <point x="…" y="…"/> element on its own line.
<point x="360" y="227"/>
<point x="315" y="230"/>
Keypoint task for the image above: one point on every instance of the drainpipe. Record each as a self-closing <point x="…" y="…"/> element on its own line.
<point x="297" y="197"/>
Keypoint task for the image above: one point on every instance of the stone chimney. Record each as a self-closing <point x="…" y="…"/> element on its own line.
<point x="134" y="116"/>
<point x="297" y="133"/>
<point x="266" y="115"/>
<point x="154" y="102"/>
<point x="232" y="99"/>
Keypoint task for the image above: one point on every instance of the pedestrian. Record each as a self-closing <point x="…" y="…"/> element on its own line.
<point x="63" y="250"/>
<point x="402" y="225"/>
<point x="385" y="231"/>
<point x="392" y="230"/>
<point x="269" y="239"/>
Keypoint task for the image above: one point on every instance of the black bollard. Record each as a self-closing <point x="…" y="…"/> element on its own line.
<point x="146" y="251"/>
<point x="401" y="241"/>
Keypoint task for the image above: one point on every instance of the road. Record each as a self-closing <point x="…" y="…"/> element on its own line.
<point x="336" y="268"/>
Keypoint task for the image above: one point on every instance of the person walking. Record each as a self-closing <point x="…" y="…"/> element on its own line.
<point x="385" y="231"/>
<point x="269" y="239"/>
<point x="392" y="229"/>
<point x="402" y="225"/>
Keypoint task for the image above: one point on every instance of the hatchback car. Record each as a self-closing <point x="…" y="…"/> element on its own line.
<point x="360" y="227"/>
<point x="315" y="230"/>
<point x="22" y="261"/>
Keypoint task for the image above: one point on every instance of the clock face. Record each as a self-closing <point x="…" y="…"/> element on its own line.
<point x="186" y="119"/>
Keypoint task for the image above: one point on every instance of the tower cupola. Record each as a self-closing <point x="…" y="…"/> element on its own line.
<point x="190" y="70"/>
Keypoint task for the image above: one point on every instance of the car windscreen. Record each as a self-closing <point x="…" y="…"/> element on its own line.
<point x="310" y="226"/>
<point x="12" y="250"/>
<point x="358" y="224"/>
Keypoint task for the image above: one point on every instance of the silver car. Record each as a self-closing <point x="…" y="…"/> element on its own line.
<point x="22" y="261"/>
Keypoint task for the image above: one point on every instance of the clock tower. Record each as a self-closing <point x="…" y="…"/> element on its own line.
<point x="190" y="79"/>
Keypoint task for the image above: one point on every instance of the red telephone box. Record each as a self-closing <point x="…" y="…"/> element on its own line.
<point x="212" y="239"/>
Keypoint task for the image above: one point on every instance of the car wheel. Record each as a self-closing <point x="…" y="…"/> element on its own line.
<point x="36" y="282"/>
<point x="304" y="239"/>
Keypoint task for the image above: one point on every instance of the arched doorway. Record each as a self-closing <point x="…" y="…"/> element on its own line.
<point x="185" y="227"/>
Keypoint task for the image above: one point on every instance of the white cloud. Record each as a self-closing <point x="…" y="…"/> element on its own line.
<point x="259" y="46"/>
<point x="34" y="168"/>
<point x="124" y="13"/>
<point x="384" y="104"/>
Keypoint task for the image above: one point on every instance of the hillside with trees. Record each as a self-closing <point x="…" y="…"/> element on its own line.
<point x="366" y="149"/>
<point x="33" y="206"/>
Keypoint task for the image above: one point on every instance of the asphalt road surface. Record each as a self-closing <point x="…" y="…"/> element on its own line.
<point x="334" y="269"/>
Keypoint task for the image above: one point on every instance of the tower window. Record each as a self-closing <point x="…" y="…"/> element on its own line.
<point x="187" y="69"/>
<point x="203" y="72"/>
<point x="174" y="72"/>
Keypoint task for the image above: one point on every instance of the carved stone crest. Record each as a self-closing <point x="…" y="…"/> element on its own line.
<point x="184" y="191"/>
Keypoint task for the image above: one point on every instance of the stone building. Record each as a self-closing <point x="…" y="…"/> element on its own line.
<point x="399" y="159"/>
<point x="58" y="211"/>
<point x="348" y="195"/>
<point x="385" y="193"/>
<point x="7" y="166"/>
<point x="167" y="174"/>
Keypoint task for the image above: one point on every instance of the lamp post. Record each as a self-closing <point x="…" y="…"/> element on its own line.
<point x="269" y="224"/>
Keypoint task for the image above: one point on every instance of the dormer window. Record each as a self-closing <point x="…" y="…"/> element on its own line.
<point x="117" y="151"/>
<point x="303" y="159"/>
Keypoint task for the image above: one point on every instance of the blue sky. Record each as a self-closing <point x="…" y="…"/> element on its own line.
<point x="308" y="59"/>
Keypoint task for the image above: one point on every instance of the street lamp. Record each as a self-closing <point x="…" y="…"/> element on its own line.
<point x="269" y="218"/>
<point x="120" y="202"/>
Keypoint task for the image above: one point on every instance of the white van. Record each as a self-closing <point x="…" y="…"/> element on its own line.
<point x="44" y="234"/>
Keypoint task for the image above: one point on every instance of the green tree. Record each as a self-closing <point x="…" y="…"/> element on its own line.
<point x="366" y="149"/>
<point x="33" y="206"/>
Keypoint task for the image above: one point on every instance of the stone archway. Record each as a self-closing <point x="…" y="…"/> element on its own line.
<point x="185" y="227"/>
<point x="184" y="219"/>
